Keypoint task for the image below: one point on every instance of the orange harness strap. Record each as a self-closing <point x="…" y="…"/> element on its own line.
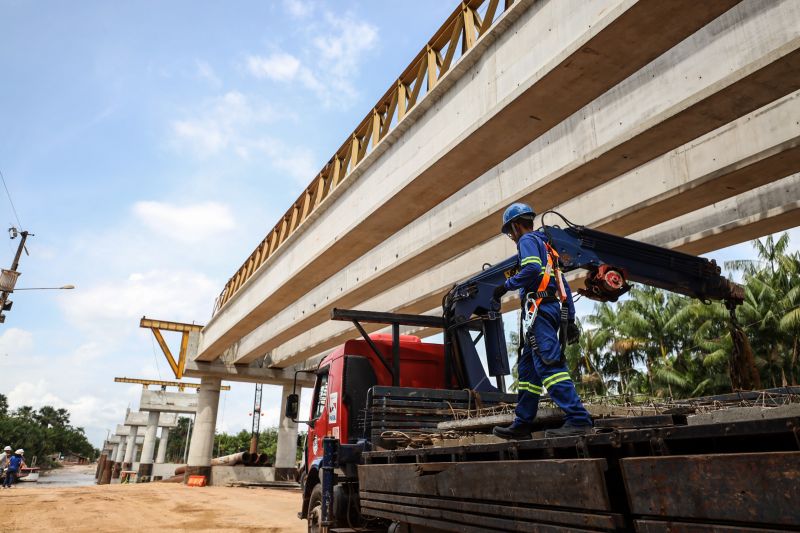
<point x="550" y="269"/>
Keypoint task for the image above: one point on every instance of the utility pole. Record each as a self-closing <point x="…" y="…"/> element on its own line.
<point x="8" y="278"/>
<point x="256" y="430"/>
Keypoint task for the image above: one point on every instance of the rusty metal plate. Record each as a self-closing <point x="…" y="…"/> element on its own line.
<point x="471" y="512"/>
<point x="656" y="526"/>
<point x="572" y="483"/>
<point x="454" y="521"/>
<point x="755" y="488"/>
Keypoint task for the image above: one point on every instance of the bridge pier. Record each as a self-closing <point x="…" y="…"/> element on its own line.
<point x="162" y="446"/>
<point x="202" y="444"/>
<point x="130" y="444"/>
<point x="148" y="448"/>
<point x="118" y="456"/>
<point x="286" y="454"/>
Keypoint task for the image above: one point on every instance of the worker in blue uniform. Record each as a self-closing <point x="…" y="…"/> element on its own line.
<point x="541" y="364"/>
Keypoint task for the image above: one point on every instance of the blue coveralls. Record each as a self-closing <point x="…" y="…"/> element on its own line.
<point x="12" y="473"/>
<point x="534" y="374"/>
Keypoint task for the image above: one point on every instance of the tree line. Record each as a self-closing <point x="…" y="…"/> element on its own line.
<point x="656" y="343"/>
<point x="226" y="444"/>
<point x="42" y="433"/>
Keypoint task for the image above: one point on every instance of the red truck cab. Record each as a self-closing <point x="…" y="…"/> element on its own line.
<point x="345" y="376"/>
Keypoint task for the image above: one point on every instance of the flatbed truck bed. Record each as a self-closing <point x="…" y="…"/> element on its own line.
<point x="739" y="476"/>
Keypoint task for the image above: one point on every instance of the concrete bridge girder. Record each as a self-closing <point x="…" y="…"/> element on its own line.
<point x="577" y="151"/>
<point x="757" y="148"/>
<point x="168" y="402"/>
<point x="769" y="208"/>
<point x="588" y="47"/>
<point x="125" y="431"/>
<point x="246" y="373"/>
<point x="140" y="418"/>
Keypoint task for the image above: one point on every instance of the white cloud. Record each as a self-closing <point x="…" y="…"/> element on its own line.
<point x="206" y="72"/>
<point x="113" y="306"/>
<point x="297" y="8"/>
<point x="221" y="123"/>
<point x="338" y="51"/>
<point x="298" y="162"/>
<point x="343" y="48"/>
<point x="85" y="410"/>
<point x="205" y="136"/>
<point x="15" y="342"/>
<point x="278" y="66"/>
<point x="187" y="223"/>
<point x="234" y="124"/>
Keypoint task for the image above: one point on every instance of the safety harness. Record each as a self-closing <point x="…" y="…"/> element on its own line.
<point x="533" y="300"/>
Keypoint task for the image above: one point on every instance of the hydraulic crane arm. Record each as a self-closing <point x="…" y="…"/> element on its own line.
<point x="610" y="261"/>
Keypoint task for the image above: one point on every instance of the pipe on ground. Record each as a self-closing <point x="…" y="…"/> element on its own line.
<point x="225" y="460"/>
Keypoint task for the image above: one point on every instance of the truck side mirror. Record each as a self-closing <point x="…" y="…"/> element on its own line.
<point x="292" y="406"/>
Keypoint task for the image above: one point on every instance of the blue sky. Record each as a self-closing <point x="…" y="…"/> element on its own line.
<point x="150" y="146"/>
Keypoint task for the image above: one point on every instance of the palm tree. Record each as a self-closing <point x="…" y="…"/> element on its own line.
<point x="584" y="359"/>
<point x="619" y="355"/>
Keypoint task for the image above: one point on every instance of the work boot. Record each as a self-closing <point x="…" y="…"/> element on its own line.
<point x="568" y="430"/>
<point x="516" y="431"/>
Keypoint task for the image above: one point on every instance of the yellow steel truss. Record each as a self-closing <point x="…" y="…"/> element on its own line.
<point x="164" y="384"/>
<point x="185" y="329"/>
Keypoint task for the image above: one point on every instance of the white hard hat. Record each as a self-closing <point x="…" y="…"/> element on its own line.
<point x="7" y="449"/>
<point x="20" y="451"/>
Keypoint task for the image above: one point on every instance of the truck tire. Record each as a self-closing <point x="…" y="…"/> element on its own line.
<point x="314" y="514"/>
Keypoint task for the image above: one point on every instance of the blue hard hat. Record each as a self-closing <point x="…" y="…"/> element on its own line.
<point x="514" y="212"/>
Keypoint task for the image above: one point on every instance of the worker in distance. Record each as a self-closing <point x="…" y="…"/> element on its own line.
<point x="547" y="309"/>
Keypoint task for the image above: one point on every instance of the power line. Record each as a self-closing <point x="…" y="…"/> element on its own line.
<point x="155" y="358"/>
<point x="14" y="209"/>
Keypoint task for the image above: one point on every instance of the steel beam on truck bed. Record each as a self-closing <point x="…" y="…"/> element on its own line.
<point x="739" y="477"/>
<point x="374" y="317"/>
<point x="781" y="434"/>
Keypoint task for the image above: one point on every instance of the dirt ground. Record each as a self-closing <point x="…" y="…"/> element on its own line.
<point x="149" y="507"/>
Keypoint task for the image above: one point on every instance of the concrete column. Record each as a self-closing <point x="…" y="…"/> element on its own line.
<point x="201" y="446"/>
<point x="148" y="448"/>
<point x="161" y="456"/>
<point x="118" y="456"/>
<point x="130" y="445"/>
<point x="286" y="454"/>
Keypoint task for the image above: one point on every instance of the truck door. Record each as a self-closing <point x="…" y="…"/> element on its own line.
<point x="318" y="426"/>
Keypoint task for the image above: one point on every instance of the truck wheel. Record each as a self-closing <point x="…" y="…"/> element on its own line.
<point x="314" y="515"/>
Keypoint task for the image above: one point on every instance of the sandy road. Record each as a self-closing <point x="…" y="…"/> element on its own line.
<point x="149" y="507"/>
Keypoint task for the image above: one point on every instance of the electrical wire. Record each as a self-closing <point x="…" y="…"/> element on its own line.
<point x="155" y="358"/>
<point x="562" y="217"/>
<point x="8" y="194"/>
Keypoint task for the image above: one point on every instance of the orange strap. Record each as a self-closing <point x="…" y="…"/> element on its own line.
<point x="552" y="259"/>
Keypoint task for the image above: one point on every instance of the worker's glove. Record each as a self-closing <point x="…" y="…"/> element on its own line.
<point x="499" y="292"/>
<point x="573" y="332"/>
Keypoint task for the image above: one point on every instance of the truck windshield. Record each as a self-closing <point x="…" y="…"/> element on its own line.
<point x="321" y="396"/>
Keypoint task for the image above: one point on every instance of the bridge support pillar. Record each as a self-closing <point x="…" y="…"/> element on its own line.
<point x="118" y="456"/>
<point x="130" y="446"/>
<point x="201" y="446"/>
<point x="148" y="448"/>
<point x="286" y="454"/>
<point x="161" y="456"/>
